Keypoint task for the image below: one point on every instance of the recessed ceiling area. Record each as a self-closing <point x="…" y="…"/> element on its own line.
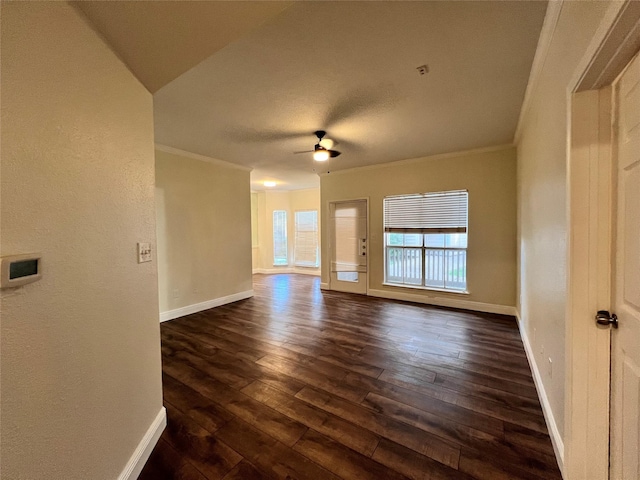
<point x="352" y="69"/>
<point x="160" y="40"/>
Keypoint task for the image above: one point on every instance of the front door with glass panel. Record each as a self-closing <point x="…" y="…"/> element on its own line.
<point x="349" y="246"/>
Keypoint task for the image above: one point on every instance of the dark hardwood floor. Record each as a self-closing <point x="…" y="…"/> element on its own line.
<point x="301" y="384"/>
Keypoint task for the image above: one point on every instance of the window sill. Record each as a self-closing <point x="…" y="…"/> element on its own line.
<point x="429" y="289"/>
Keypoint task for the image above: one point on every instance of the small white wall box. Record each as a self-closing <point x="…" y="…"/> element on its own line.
<point x="18" y="270"/>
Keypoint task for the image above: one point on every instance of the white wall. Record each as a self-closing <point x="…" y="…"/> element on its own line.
<point x="80" y="352"/>
<point x="203" y="209"/>
<point x="542" y="201"/>
<point x="291" y="201"/>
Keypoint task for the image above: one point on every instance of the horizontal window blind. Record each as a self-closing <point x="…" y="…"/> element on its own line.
<point x="442" y="212"/>
<point x="306" y="241"/>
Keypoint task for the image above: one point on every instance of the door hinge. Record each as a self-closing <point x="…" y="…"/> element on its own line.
<point x="605" y="319"/>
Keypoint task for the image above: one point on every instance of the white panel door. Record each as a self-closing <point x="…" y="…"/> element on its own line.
<point x="349" y="246"/>
<point x="625" y="351"/>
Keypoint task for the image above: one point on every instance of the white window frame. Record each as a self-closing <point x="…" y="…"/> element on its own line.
<point x="429" y="213"/>
<point x="278" y="259"/>
<point x="299" y="238"/>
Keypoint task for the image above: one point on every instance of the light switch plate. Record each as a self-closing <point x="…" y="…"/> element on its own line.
<point x="144" y="252"/>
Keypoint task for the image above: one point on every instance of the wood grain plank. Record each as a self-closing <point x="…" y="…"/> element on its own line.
<point x="245" y="471"/>
<point x="411" y="437"/>
<point x="493" y="447"/>
<point x="448" y="411"/>
<point x="347" y="433"/>
<point x="424" y="396"/>
<point x="166" y="462"/>
<point x="270" y="456"/>
<point x="413" y="465"/>
<point x="213" y="458"/>
<point x="341" y="460"/>
<point x="199" y="408"/>
<point x="333" y="385"/>
<point x="266" y="419"/>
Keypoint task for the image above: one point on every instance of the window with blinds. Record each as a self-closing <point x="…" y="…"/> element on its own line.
<point x="280" y="256"/>
<point x="426" y="240"/>
<point x="306" y="240"/>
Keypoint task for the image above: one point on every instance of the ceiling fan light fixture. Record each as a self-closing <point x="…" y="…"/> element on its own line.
<point x="321" y="155"/>
<point x="269" y="183"/>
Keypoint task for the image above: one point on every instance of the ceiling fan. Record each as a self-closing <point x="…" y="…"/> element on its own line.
<point x="322" y="150"/>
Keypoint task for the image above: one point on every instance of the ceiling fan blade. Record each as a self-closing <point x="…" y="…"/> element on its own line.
<point x="334" y="153"/>
<point x="304" y="151"/>
<point x="359" y="102"/>
<point x="248" y="135"/>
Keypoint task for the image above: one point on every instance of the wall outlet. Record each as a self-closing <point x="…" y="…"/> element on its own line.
<point x="550" y="368"/>
<point x="144" y="252"/>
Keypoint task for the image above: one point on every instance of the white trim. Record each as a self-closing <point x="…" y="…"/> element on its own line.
<point x="202" y="158"/>
<point x="587" y="355"/>
<point x="141" y="454"/>
<point x="445" y="302"/>
<point x="600" y="47"/>
<point x="542" y="50"/>
<point x="198" y="307"/>
<point x="324" y="286"/>
<point x="439" y="156"/>
<point x="298" y="270"/>
<point x="426" y="289"/>
<point x="552" y="426"/>
<point x="589" y="207"/>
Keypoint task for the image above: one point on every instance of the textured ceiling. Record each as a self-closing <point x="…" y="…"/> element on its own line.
<point x="350" y="68"/>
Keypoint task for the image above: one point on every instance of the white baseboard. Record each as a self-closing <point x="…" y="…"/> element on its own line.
<point x="141" y="454"/>
<point x="444" y="302"/>
<point x="324" y="286"/>
<point x="198" y="307"/>
<point x="554" y="433"/>
<point x="300" y="270"/>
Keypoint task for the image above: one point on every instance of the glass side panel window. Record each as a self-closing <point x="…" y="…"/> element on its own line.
<point x="280" y="248"/>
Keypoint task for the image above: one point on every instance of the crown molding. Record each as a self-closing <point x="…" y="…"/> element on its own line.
<point x="440" y="156"/>
<point x="202" y="158"/>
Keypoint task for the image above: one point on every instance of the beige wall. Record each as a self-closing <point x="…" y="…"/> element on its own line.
<point x="204" y="230"/>
<point x="542" y="199"/>
<point x="291" y="202"/>
<point x="490" y="178"/>
<point x="80" y="349"/>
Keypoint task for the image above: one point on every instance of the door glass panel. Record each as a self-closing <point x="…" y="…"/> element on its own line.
<point x="347" y="276"/>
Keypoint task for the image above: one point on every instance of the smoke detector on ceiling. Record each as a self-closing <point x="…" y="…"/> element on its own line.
<point x="423" y="69"/>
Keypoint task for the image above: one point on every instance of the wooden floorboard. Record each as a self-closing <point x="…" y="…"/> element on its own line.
<point x="302" y="384"/>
